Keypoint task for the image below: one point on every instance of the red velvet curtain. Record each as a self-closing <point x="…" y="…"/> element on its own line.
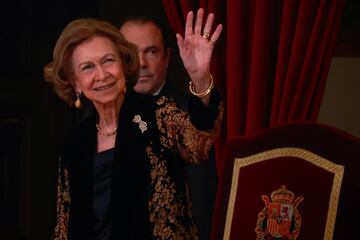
<point x="272" y="60"/>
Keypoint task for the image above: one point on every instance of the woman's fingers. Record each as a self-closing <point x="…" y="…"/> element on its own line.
<point x="188" y="24"/>
<point x="208" y="26"/>
<point x="191" y="30"/>
<point x="198" y="22"/>
<point x="216" y="34"/>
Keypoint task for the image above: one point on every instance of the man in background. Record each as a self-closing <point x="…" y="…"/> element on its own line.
<point x="152" y="42"/>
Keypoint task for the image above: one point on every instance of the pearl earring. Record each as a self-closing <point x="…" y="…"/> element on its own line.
<point x="78" y="101"/>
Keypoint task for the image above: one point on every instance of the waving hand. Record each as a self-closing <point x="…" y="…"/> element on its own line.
<point x="197" y="46"/>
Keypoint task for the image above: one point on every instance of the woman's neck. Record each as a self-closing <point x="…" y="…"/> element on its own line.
<point x="107" y="124"/>
<point x="108" y="121"/>
<point x="108" y="116"/>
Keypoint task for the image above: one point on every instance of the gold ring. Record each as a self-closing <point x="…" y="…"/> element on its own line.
<point x="206" y="35"/>
<point x="212" y="41"/>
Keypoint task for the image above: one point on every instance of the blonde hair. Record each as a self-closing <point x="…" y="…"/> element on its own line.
<point x="60" y="71"/>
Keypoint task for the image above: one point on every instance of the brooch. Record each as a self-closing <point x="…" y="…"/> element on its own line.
<point x="142" y="124"/>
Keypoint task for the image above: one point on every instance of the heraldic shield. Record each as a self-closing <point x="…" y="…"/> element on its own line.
<point x="280" y="218"/>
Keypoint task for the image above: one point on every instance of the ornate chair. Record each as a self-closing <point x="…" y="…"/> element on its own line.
<point x="294" y="181"/>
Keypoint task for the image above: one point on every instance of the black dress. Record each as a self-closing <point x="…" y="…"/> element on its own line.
<point x="102" y="194"/>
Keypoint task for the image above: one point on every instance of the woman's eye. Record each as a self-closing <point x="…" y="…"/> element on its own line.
<point x="86" y="67"/>
<point x="108" y="60"/>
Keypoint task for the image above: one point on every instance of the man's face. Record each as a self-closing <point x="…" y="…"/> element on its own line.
<point x="154" y="58"/>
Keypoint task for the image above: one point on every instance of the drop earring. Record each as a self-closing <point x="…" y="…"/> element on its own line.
<point x="78" y="101"/>
<point x="124" y="90"/>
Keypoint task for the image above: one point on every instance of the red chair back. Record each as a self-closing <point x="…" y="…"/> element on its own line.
<point x="294" y="181"/>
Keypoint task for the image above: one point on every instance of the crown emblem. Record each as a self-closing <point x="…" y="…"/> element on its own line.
<point x="282" y="195"/>
<point x="280" y="218"/>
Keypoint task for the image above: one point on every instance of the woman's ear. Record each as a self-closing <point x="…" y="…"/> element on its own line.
<point x="76" y="86"/>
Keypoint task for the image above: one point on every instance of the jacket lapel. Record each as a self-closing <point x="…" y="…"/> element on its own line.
<point x="81" y="152"/>
<point x="131" y="180"/>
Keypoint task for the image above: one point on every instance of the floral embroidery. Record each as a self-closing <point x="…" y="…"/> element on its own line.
<point x="170" y="211"/>
<point x="170" y="216"/>
<point x="142" y="124"/>
<point x="63" y="204"/>
<point x="178" y="133"/>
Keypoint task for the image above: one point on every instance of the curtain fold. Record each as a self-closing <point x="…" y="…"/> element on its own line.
<point x="272" y="60"/>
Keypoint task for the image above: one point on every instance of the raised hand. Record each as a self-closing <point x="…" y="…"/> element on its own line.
<point x="197" y="46"/>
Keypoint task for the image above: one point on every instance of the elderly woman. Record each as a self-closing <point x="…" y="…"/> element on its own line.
<point x="119" y="177"/>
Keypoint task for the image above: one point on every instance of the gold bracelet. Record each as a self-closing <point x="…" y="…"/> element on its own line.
<point x="203" y="94"/>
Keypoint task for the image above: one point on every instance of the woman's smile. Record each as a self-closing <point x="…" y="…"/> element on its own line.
<point x="104" y="87"/>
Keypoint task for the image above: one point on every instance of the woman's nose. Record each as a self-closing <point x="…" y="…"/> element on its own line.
<point x="101" y="73"/>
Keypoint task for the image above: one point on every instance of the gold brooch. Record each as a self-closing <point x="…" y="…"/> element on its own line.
<point x="142" y="124"/>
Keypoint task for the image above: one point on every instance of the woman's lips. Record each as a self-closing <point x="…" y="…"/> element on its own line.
<point x="105" y="87"/>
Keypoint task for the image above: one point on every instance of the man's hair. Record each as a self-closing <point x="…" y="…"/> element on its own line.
<point x="164" y="30"/>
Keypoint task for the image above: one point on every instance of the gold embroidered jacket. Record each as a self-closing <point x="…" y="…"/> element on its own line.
<point x="149" y="195"/>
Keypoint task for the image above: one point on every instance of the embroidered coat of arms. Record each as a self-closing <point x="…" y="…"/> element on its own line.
<point x="280" y="218"/>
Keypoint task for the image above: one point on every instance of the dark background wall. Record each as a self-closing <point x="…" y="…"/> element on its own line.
<point x="33" y="121"/>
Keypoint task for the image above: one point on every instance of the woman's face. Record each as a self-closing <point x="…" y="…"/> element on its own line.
<point x="98" y="71"/>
